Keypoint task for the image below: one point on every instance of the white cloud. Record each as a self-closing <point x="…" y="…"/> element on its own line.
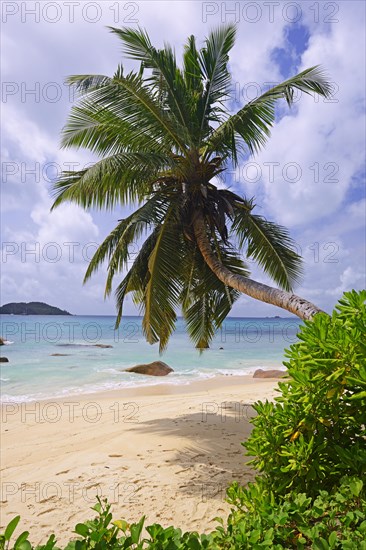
<point x="320" y="147"/>
<point x="39" y="261"/>
<point x="350" y="278"/>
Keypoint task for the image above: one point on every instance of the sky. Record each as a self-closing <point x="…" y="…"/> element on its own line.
<point x="309" y="178"/>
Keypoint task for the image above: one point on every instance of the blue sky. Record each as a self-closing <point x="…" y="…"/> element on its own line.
<point x="309" y="178"/>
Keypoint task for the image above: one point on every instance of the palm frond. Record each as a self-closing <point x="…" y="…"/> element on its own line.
<point x="161" y="298"/>
<point x="166" y="76"/>
<point x="129" y="99"/>
<point x="192" y="71"/>
<point x="137" y="277"/>
<point x="253" y="122"/>
<point x="269" y="244"/>
<point x="116" y="247"/>
<point x="86" y="83"/>
<point x="214" y="58"/>
<point x="205" y="300"/>
<point x="200" y="321"/>
<point x="102" y="131"/>
<point x="118" y="179"/>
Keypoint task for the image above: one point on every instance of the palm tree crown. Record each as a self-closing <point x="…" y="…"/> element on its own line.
<point x="162" y="134"/>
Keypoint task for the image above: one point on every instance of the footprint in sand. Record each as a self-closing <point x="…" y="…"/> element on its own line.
<point x="63" y="472"/>
<point x="117" y="456"/>
<point x="46" y="511"/>
<point x="93" y="485"/>
<point x="52" y="498"/>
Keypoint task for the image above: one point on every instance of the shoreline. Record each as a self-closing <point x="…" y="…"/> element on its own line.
<point x="195" y="386"/>
<point x="160" y="388"/>
<point x="176" y="448"/>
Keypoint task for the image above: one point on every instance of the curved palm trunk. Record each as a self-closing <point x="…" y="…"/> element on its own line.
<point x="286" y="300"/>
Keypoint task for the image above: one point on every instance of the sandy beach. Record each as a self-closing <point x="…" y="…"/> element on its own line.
<point x="168" y="452"/>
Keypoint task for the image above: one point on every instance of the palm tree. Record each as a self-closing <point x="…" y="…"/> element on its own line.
<point x="163" y="133"/>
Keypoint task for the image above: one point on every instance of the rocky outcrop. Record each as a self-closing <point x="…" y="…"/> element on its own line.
<point x="59" y="354"/>
<point x="274" y="373"/>
<point x="2" y="343"/>
<point x="4" y="360"/>
<point x="156" y="368"/>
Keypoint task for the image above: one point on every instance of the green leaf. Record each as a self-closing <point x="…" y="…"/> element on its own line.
<point x="82" y="529"/>
<point x="22" y="537"/>
<point x="11" y="527"/>
<point x="333" y="539"/>
<point x="136" y="530"/>
<point x="358" y="395"/>
<point x="320" y="544"/>
<point x="121" y="524"/>
<point x="356" y="486"/>
<point x="97" y="507"/>
<point x="194" y="543"/>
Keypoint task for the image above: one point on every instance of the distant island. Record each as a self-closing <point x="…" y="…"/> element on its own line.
<point x="31" y="308"/>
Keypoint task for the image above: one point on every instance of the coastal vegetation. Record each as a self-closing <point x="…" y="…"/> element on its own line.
<point x="309" y="448"/>
<point x="165" y="134"/>
<point x="31" y="308"/>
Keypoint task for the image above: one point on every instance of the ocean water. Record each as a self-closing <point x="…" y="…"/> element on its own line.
<point x="33" y="373"/>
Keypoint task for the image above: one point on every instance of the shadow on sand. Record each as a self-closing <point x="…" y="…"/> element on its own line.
<point x="213" y="453"/>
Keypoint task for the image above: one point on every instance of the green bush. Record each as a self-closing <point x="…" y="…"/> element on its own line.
<point x="263" y="520"/>
<point x="102" y="533"/>
<point x="315" y="432"/>
<point x="310" y="445"/>
<point x="328" y="522"/>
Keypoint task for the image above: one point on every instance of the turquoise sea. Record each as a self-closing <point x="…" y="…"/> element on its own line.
<point x="33" y="373"/>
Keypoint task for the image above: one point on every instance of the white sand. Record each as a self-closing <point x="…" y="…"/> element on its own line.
<point x="167" y="452"/>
